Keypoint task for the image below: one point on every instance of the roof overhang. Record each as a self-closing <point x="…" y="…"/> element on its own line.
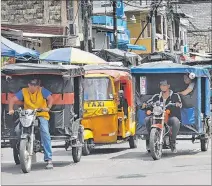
<point x="40" y="35"/>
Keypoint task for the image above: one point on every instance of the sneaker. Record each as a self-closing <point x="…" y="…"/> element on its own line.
<point x="173" y="148"/>
<point x="49" y="165"/>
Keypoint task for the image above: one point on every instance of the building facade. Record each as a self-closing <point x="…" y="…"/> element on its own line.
<point x="53" y="22"/>
<point x="200" y="27"/>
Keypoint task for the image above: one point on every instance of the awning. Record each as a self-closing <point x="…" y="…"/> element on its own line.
<point x="13" y="49"/>
<point x="136" y="47"/>
<point x="40" y="35"/>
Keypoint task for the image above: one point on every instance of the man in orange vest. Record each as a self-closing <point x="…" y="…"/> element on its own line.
<point x="36" y="97"/>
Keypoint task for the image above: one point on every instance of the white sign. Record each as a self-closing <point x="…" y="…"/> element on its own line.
<point x="143" y="85"/>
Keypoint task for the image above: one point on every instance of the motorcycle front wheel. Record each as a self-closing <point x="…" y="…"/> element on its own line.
<point x="154" y="144"/>
<point x="25" y="158"/>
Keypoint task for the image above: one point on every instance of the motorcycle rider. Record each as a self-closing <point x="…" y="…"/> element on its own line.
<point x="166" y="95"/>
<point x="37" y="97"/>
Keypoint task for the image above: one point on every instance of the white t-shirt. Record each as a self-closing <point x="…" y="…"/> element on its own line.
<point x="191" y="86"/>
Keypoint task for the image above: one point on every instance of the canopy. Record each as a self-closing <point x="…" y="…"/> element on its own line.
<point x="105" y="67"/>
<point x="116" y="74"/>
<point x="36" y="69"/>
<point x="169" y="67"/>
<point x="71" y="55"/>
<point x="6" y="51"/>
<point x="11" y="49"/>
<point x="161" y="56"/>
<point x="119" y="55"/>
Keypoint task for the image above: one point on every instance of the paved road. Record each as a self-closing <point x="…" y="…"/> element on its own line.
<point x="116" y="164"/>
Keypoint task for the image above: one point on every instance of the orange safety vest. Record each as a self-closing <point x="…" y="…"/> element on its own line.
<point x="35" y="101"/>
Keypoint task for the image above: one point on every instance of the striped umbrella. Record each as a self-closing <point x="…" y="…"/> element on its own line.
<point x="71" y="56"/>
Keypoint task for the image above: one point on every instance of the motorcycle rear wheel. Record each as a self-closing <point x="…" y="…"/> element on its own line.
<point x="154" y="144"/>
<point x="25" y="158"/>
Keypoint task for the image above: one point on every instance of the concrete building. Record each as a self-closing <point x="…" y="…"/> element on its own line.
<point x="52" y="22"/>
<point x="200" y="28"/>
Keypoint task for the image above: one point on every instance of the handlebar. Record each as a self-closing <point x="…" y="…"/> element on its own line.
<point x="151" y="104"/>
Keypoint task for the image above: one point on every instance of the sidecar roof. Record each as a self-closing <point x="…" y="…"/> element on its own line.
<point x="170" y="68"/>
<point x="37" y="69"/>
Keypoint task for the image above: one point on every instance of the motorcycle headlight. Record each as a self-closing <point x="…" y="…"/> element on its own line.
<point x="157" y="110"/>
<point x="26" y="121"/>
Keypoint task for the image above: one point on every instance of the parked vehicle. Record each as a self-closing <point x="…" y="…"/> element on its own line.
<point x="105" y="119"/>
<point x="195" y="111"/>
<point x="65" y="83"/>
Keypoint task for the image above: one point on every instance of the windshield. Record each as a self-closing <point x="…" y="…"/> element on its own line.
<point x="99" y="89"/>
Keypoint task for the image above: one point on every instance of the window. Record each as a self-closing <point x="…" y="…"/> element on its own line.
<point x="99" y="89"/>
<point x="70" y="10"/>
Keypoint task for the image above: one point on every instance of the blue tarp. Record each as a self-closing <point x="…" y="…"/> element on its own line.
<point x="169" y="67"/>
<point x="136" y="47"/>
<point x="11" y="49"/>
<point x="6" y="51"/>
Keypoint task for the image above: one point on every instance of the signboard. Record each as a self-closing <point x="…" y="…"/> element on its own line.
<point x="143" y="85"/>
<point x="119" y="8"/>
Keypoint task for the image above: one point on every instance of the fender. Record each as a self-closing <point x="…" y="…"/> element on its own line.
<point x="24" y="136"/>
<point x="157" y="126"/>
<point x="88" y="134"/>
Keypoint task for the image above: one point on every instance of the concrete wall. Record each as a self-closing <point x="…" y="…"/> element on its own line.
<point x="100" y="39"/>
<point x="36" y="12"/>
<point x="200" y="25"/>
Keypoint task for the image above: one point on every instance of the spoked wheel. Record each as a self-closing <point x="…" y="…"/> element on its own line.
<point x="77" y="153"/>
<point x="16" y="154"/>
<point x="25" y="158"/>
<point x="133" y="141"/>
<point x="86" y="149"/>
<point x="154" y="144"/>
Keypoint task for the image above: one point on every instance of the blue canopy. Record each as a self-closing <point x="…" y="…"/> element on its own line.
<point x="136" y="47"/>
<point x="169" y="67"/>
<point x="6" y="51"/>
<point x="11" y="49"/>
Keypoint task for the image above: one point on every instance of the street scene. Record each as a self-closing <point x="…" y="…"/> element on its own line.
<point x="111" y="92"/>
<point x="116" y="165"/>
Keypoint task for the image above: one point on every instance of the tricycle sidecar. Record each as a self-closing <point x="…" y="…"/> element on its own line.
<point x="105" y="120"/>
<point x="65" y="83"/>
<point x="195" y="111"/>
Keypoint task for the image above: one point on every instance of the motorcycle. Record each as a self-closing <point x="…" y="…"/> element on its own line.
<point x="29" y="137"/>
<point x="160" y="134"/>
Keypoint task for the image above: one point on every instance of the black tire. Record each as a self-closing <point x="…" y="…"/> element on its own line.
<point x="76" y="154"/>
<point x="86" y="149"/>
<point x="204" y="144"/>
<point x="156" y="152"/>
<point x="25" y="160"/>
<point x="16" y="155"/>
<point x="133" y="140"/>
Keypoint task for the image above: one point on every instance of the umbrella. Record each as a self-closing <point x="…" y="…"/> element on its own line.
<point x="71" y="55"/>
<point x="10" y="49"/>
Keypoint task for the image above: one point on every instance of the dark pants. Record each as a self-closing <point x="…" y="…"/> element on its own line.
<point x="173" y="122"/>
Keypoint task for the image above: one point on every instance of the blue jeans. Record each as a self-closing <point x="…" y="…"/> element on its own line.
<point x="45" y="138"/>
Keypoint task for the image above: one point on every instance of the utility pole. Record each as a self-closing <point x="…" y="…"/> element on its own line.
<point x="153" y="30"/>
<point x="170" y="26"/>
<point x="115" y="24"/>
<point x="87" y="26"/>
